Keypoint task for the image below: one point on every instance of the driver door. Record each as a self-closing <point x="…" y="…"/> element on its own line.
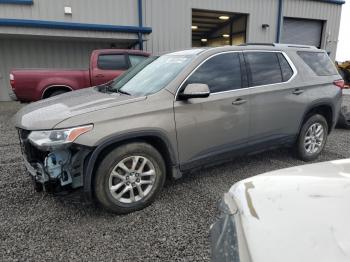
<point x="218" y="125"/>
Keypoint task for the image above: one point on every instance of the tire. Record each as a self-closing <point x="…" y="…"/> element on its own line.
<point x="108" y="188"/>
<point x="303" y="151"/>
<point x="56" y="93"/>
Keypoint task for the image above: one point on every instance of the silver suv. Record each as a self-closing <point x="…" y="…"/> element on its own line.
<point x="180" y="111"/>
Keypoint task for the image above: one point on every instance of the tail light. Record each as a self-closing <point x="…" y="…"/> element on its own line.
<point x="339" y="83"/>
<point x="12" y="80"/>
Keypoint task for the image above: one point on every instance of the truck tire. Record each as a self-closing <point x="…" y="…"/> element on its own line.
<point x="312" y="138"/>
<point x="56" y="93"/>
<point x="129" y="178"/>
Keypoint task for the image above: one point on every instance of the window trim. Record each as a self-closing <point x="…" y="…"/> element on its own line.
<point x="280" y="63"/>
<point x="289" y="61"/>
<point x="291" y="64"/>
<point x="205" y="60"/>
<point x="126" y="59"/>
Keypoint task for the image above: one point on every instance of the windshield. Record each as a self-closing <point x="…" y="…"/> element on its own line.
<point x="151" y="75"/>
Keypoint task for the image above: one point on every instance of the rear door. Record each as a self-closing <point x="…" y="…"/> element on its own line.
<point x="277" y="105"/>
<point x="108" y="67"/>
<point x="213" y="126"/>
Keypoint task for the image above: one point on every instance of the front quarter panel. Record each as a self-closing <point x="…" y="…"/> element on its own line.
<point x="155" y="113"/>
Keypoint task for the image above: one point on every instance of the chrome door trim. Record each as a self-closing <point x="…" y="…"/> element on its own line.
<point x="291" y="64"/>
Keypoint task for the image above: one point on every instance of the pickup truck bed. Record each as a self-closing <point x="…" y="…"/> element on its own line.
<point x="34" y="84"/>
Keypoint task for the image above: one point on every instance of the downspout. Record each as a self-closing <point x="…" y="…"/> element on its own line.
<point x="279" y="21"/>
<point x="140" y="23"/>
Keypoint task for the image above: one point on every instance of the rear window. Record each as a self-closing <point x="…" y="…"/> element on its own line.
<point x="112" y="62"/>
<point x="319" y="62"/>
<point x="136" y="59"/>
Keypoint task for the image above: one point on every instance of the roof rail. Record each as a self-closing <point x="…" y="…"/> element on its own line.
<point x="263" y="44"/>
<point x="297" y="46"/>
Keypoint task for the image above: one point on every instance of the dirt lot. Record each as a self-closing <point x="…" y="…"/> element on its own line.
<point x="37" y="226"/>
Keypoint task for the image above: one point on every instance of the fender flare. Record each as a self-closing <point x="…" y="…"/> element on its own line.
<point x="323" y="102"/>
<point x="90" y="161"/>
<point x="54" y="86"/>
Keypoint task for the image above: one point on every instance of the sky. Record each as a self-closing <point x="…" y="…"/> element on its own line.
<point x="343" y="52"/>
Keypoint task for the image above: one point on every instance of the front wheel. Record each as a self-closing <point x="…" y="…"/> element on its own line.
<point x="312" y="138"/>
<point x="129" y="178"/>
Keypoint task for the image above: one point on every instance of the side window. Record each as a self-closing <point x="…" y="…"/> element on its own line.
<point x="319" y="62"/>
<point x="220" y="73"/>
<point x="287" y="71"/>
<point x="264" y="68"/>
<point x="112" y="62"/>
<point x="136" y="59"/>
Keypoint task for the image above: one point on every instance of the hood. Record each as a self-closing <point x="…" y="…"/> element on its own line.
<point x="47" y="113"/>
<point x="297" y="214"/>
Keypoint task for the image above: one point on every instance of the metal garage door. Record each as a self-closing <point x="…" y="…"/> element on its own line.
<point x="302" y="31"/>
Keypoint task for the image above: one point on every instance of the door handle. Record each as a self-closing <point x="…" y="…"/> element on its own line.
<point x="298" y="91"/>
<point x="99" y="76"/>
<point x="239" y="101"/>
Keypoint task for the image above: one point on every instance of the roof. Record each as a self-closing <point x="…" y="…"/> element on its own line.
<point x="257" y="46"/>
<point x="338" y="2"/>
<point x="208" y="51"/>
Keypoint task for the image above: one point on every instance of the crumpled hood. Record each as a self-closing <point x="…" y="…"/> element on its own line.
<point x="47" y="113"/>
<point x="297" y="214"/>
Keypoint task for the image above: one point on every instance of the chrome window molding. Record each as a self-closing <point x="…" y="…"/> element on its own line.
<point x="291" y="64"/>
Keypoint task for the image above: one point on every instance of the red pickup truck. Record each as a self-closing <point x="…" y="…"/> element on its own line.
<point x="34" y="84"/>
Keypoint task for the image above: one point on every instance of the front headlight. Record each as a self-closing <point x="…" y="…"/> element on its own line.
<point x="57" y="137"/>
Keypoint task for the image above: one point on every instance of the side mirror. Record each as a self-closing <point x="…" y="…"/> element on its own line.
<point x="195" y="91"/>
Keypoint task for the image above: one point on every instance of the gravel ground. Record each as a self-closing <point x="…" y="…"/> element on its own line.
<point x="37" y="226"/>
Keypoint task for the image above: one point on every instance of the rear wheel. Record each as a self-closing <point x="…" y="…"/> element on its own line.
<point x="129" y="178"/>
<point x="312" y="138"/>
<point x="58" y="92"/>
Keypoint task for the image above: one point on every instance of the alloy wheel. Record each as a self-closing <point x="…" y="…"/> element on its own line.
<point x="314" y="137"/>
<point x="132" y="179"/>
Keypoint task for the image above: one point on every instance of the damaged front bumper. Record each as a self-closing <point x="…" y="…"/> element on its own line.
<point x="56" y="170"/>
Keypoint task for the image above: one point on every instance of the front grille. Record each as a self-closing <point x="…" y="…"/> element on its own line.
<point x="31" y="153"/>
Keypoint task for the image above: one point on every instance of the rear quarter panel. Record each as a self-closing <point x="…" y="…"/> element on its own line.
<point x="30" y="85"/>
<point x="319" y="89"/>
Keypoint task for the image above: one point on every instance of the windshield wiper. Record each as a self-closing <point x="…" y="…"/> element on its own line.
<point x="105" y="88"/>
<point x="123" y="92"/>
